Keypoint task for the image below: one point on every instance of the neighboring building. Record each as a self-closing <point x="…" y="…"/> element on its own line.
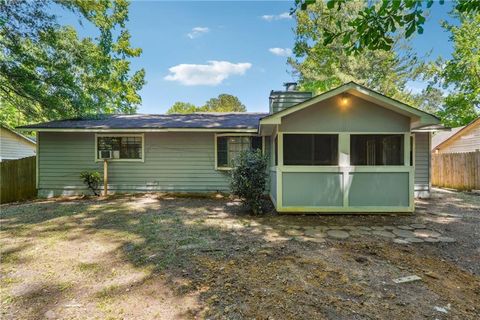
<point x="461" y="139"/>
<point x="14" y="145"/>
<point x="350" y="149"/>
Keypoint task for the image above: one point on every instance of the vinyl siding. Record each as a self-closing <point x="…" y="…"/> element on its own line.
<point x="422" y="164"/>
<point x="14" y="147"/>
<point x="173" y="162"/>
<point x="467" y="140"/>
<point x="358" y="116"/>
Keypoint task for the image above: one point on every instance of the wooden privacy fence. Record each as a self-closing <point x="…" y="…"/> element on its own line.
<point x="456" y="170"/>
<point x="18" y="180"/>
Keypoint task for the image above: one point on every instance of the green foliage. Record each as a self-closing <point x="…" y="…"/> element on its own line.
<point x="321" y="66"/>
<point x="375" y="25"/>
<point x="459" y="76"/>
<point x="249" y="177"/>
<point x="182" y="107"/>
<point x="223" y="103"/>
<point x="430" y="100"/>
<point x="91" y="179"/>
<point x="48" y="72"/>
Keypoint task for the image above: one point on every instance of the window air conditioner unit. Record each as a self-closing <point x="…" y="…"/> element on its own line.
<point x="105" y="154"/>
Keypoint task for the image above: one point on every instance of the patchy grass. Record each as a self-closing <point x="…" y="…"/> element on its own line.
<point x="170" y="256"/>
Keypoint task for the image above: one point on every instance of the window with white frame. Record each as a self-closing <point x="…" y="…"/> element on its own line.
<point x="120" y="147"/>
<point x="229" y="147"/>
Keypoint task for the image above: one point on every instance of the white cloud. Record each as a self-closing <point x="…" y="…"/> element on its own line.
<point x="282" y="52"/>
<point x="211" y="74"/>
<point x="272" y="17"/>
<point x="197" y="32"/>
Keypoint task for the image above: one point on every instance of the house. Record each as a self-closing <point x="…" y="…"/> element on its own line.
<point x="350" y="149"/>
<point x="460" y="139"/>
<point x="14" y="145"/>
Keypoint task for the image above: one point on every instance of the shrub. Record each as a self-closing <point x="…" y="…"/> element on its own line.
<point x="91" y="179"/>
<point x="249" y="177"/>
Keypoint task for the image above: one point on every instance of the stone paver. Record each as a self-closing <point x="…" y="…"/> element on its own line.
<point x="404" y="233"/>
<point x="400" y="241"/>
<point x="418" y="226"/>
<point x="446" y="239"/>
<point x="364" y="228"/>
<point x="293" y="232"/>
<point x="383" y="233"/>
<point x="338" y="234"/>
<point x="414" y="240"/>
<point x="405" y="227"/>
<point x="425" y="233"/>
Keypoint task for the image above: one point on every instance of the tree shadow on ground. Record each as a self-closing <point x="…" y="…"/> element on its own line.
<point x="236" y="265"/>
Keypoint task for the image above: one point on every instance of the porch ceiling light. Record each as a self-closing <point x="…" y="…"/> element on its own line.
<point x="344" y="100"/>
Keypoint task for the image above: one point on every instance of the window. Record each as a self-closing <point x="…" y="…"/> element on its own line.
<point x="120" y="147"/>
<point x="376" y="150"/>
<point x="310" y="149"/>
<point x="229" y="147"/>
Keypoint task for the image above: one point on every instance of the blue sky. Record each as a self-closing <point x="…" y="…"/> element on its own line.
<point x="193" y="51"/>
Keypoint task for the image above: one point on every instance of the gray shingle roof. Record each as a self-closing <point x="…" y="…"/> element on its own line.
<point x="211" y="120"/>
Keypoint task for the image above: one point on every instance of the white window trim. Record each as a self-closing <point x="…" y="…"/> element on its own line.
<point x="233" y="135"/>
<point x="141" y="135"/>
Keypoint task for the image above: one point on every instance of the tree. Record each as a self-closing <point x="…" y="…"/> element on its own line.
<point x="375" y="25"/>
<point x="430" y="100"/>
<point x="459" y="77"/>
<point x="48" y="72"/>
<point x="321" y="67"/>
<point x="182" y="107"/>
<point x="224" y="103"/>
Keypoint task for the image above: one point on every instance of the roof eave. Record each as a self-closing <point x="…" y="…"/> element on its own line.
<point x="38" y="129"/>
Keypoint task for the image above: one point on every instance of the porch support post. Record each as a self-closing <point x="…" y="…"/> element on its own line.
<point x="279" y="171"/>
<point x="344" y="163"/>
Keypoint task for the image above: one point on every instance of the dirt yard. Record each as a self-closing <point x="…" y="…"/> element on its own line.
<point x="164" y="257"/>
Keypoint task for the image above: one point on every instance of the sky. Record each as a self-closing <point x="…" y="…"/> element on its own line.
<point x="193" y="51"/>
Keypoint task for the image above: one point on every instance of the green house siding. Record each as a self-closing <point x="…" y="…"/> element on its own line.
<point x="173" y="162"/>
<point x="383" y="189"/>
<point x="422" y="164"/>
<point x="357" y="116"/>
<point x="318" y="189"/>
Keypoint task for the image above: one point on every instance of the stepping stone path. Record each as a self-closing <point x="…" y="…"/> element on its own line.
<point x="383" y="233"/>
<point x="404" y="234"/>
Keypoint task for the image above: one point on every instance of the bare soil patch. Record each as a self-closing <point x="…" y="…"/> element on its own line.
<point x="166" y="257"/>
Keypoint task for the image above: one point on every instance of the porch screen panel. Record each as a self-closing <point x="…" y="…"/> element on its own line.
<point x="310" y="149"/>
<point x="376" y="150"/>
